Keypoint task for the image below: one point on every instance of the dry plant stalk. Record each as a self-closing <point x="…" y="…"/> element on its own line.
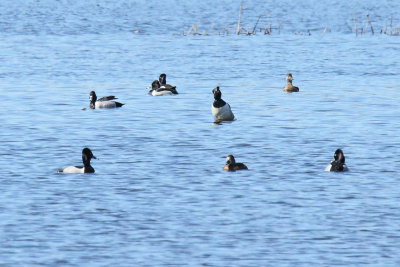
<point x="238" y="24"/>
<point x="255" y="26"/>
<point x="369" y="22"/>
<point x="194" y="29"/>
<point x="394" y="30"/>
<point x="190" y="30"/>
<point x="355" y="26"/>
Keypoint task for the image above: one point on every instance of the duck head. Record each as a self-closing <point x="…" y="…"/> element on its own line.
<point x="155" y="85"/>
<point x="93" y="99"/>
<point x="163" y="79"/>
<point x="339" y="156"/>
<point x="217" y="93"/>
<point x="289" y="78"/>
<point x="87" y="155"/>
<point x="230" y="160"/>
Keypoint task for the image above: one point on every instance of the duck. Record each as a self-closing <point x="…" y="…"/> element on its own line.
<point x="103" y="102"/>
<point x="163" y="83"/>
<point x="338" y="164"/>
<point x="289" y="87"/>
<point x="87" y="155"/>
<point x="220" y="109"/>
<point x="232" y="166"/>
<point x="157" y="90"/>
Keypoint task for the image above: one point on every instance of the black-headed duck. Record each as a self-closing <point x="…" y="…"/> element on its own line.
<point x="163" y="83"/>
<point x="87" y="155"/>
<point x="338" y="164"/>
<point x="104" y="102"/>
<point x="220" y="109"/>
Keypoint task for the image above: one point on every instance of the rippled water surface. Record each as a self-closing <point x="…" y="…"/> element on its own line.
<point x="159" y="196"/>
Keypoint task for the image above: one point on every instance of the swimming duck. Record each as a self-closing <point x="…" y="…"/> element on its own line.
<point x="289" y="87"/>
<point x="104" y="102"/>
<point x="163" y="83"/>
<point x="157" y="90"/>
<point x="232" y="166"/>
<point x="87" y="155"/>
<point x="220" y="109"/>
<point x="338" y="164"/>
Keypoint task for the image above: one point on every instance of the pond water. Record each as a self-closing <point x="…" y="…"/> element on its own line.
<point x="159" y="196"/>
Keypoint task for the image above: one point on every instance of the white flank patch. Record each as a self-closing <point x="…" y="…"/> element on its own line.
<point x="328" y="168"/>
<point x="105" y="104"/>
<point x="223" y="113"/>
<point x="155" y="93"/>
<point x="73" y="169"/>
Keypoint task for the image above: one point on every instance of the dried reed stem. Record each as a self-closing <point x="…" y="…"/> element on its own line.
<point x="194" y="29"/>
<point x="190" y="30"/>
<point x="369" y="22"/>
<point x="355" y="26"/>
<point x="255" y="25"/>
<point x="240" y="14"/>
<point x="385" y="27"/>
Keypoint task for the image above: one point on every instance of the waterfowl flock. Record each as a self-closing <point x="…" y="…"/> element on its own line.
<point x="220" y="110"/>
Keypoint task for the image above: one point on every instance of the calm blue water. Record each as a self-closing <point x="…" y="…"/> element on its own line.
<point x="159" y="196"/>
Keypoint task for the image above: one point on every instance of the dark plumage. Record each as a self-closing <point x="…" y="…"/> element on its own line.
<point x="163" y="82"/>
<point x="164" y="86"/>
<point x="338" y="164"/>
<point x="106" y="98"/>
<point x="218" y="102"/>
<point x="232" y="166"/>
